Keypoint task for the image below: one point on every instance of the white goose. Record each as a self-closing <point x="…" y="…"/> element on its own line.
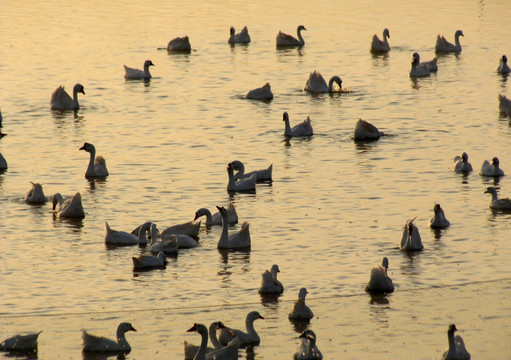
<point x="284" y="39"/>
<point x="496" y="203"/>
<point x="262" y="175"/>
<point x="461" y="164"/>
<point x="97" y="164"/>
<point x="439" y="221"/>
<point x="71" y="208"/>
<point x="240" y="38"/>
<point x="20" y="342"/>
<point x="456" y="349"/>
<point x="380" y="283"/>
<point x="431" y="65"/>
<point x="167" y="246"/>
<point x="492" y="169"/>
<point x="247" y="184"/>
<point x="216" y="218"/>
<point x="503" y="67"/>
<point x="269" y="282"/>
<point x="145" y="262"/>
<point x="418" y="69"/>
<point x="191" y="350"/>
<point x="300" y="311"/>
<point x="190" y="228"/>
<point x="411" y="239"/>
<point x="317" y="84"/>
<point x="3" y="162"/>
<point x="230" y="351"/>
<point x="116" y="237"/>
<point x="183" y="241"/>
<point x="504" y="104"/>
<point x="366" y="131"/>
<point x="136" y="74"/>
<point x="442" y="45"/>
<point x="60" y="99"/>
<point x="236" y="240"/>
<point x="307" y="349"/>
<point x="102" y="344"/>
<point x="262" y="93"/>
<point x="246" y="338"/>
<point x="302" y="129"/>
<point x="379" y="46"/>
<point x="35" y="195"/>
<point x="179" y="44"/>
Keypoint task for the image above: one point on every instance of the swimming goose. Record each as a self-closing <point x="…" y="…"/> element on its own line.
<point x="262" y="93"/>
<point x="167" y="246"/>
<point x="20" y="342"/>
<point x="317" y="84"/>
<point x="380" y="283"/>
<point x="439" y="221"/>
<point x="492" y="169"/>
<point x="262" y="175"/>
<point x="503" y="67"/>
<point x="300" y="311"/>
<point x="442" y="45"/>
<point x="190" y="228"/>
<point x="60" y="99"/>
<point x="504" y="104"/>
<point x="102" y="344"/>
<point x="136" y="74"/>
<point x="35" y="195"/>
<point x="456" y="349"/>
<point x="216" y="218"/>
<point x="3" y="162"/>
<point x="249" y="337"/>
<point x="240" y="38"/>
<point x="284" y="39"/>
<point x="461" y="164"/>
<point x="302" y="129"/>
<point x="144" y="262"/>
<point x="71" y="208"/>
<point x="411" y="239"/>
<point x="379" y="46"/>
<point x="269" y="282"/>
<point x="236" y="240"/>
<point x="496" y="203"/>
<point x="247" y="184"/>
<point x="203" y="352"/>
<point x="230" y="351"/>
<point x="115" y="237"/>
<point x="418" y="69"/>
<point x="431" y="65"/>
<point x="183" y="241"/>
<point x="307" y="349"/>
<point x="97" y="164"/>
<point x="179" y="44"/>
<point x="366" y="131"/>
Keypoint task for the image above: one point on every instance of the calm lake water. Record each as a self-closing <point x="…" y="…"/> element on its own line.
<point x="334" y="209"/>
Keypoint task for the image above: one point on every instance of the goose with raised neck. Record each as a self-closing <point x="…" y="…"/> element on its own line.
<point x="102" y="344"/>
<point x="236" y="240"/>
<point x="284" y="39"/>
<point x="60" y="99"/>
<point x="97" y="164"/>
<point x="246" y="338"/>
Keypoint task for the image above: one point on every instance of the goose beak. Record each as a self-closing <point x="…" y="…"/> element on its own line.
<point x="193" y="328"/>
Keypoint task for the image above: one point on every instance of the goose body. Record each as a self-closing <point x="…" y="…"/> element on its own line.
<point x="461" y="164"/>
<point x="236" y="240"/>
<point x="190" y="228"/>
<point x="216" y="218"/>
<point x="179" y="44"/>
<point x="183" y="241"/>
<point x="3" y="163"/>
<point x="167" y="246"/>
<point x="102" y="344"/>
<point x="269" y="282"/>
<point x="442" y="45"/>
<point x="246" y="184"/>
<point x="418" y="69"/>
<point x="246" y="338"/>
<point x="71" y="208"/>
<point x="20" y="342"/>
<point x="411" y="239"/>
<point x="504" y="104"/>
<point x="381" y="46"/>
<point x="35" y="195"/>
<point x="137" y="74"/>
<point x="431" y="65"/>
<point x="492" y="169"/>
<point x="439" y="221"/>
<point x="379" y="282"/>
<point x="60" y="99"/>
<point x="317" y="84"/>
<point x="285" y="40"/>
<point x="302" y="129"/>
<point x="262" y="175"/>
<point x="496" y="203"/>
<point x="366" y="131"/>
<point x="262" y="93"/>
<point x="503" y="67"/>
<point x="300" y="310"/>
<point x="97" y="164"/>
<point x="307" y="349"/>
<point x="144" y="262"/>
<point x="456" y="349"/>
<point x="240" y="38"/>
<point x="116" y="237"/>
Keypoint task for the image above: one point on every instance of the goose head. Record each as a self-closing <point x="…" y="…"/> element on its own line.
<point x="495" y="161"/>
<point x="464" y="157"/>
<point x="148" y="63"/>
<point x="88" y="147"/>
<point x="302" y="293"/>
<point x="230" y="170"/>
<point x="79" y="89"/>
<point x="386" y="33"/>
<point x="274" y="270"/>
<point x="125" y="327"/>
<point x="199" y="213"/>
<point x="232" y="31"/>
<point x="201" y="329"/>
<point x="308" y="334"/>
<point x="451" y="329"/>
<point x="254" y="315"/>
<point x="437" y="209"/>
<point x="490" y="190"/>
<point x="416" y="59"/>
<point x="300" y="28"/>
<point x="459" y="33"/>
<point x="222" y="210"/>
<point x="385" y="263"/>
<point x="285" y="116"/>
<point x="503" y="59"/>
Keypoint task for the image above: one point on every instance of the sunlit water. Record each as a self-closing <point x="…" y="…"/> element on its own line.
<point x="335" y="207"/>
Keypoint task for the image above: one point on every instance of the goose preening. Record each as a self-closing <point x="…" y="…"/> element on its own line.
<point x="366" y="131"/>
<point x="190" y="228"/>
<point x="97" y="164"/>
<point x="167" y="246"/>
<point x="20" y="342"/>
<point x="300" y="311"/>
<point x="246" y="338"/>
<point x="381" y="46"/>
<point x="379" y="282"/>
<point x="235" y="240"/>
<point x="71" y="208"/>
<point x="246" y="184"/>
<point x="496" y="203"/>
<point x="284" y="39"/>
<point x="35" y="195"/>
<point x="302" y="129"/>
<point x="438" y="221"/>
<point x="3" y="162"/>
<point x="262" y="93"/>
<point x="137" y="74"/>
<point x="146" y="262"/>
<point x="504" y="104"/>
<point x="269" y="282"/>
<point x="203" y="352"/>
<point x="216" y="218"/>
<point x="179" y="44"/>
<point x="307" y="349"/>
<point x="317" y="84"/>
<point x="115" y="237"/>
<point x="411" y="239"/>
<point x="492" y="169"/>
<point x="102" y="344"/>
<point x="262" y="175"/>
<point x="418" y="69"/>
<point x="461" y="164"/>
<point x="240" y="38"/>
<point x="442" y="45"/>
<point x="60" y="99"/>
<point x="456" y="349"/>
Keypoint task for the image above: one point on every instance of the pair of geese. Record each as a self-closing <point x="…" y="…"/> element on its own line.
<point x="442" y="44"/>
<point x="241" y="181"/>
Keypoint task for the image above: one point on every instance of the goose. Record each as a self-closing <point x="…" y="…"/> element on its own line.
<point x="302" y="129"/>
<point x="102" y="344"/>
<point x="3" y="162"/>
<point x="240" y="38"/>
<point x="284" y="39"/>
<point x="496" y="203"/>
<point x="183" y="241"/>
<point x="461" y="164"/>
<point x="203" y="352"/>
<point x="431" y="65"/>
<point x="236" y="240"/>
<point x="411" y="239"/>
<point x="136" y="74"/>
<point x="503" y="67"/>
<point x="35" y="195"/>
<point x="246" y="338"/>
<point x="247" y="184"/>
<point x="418" y="69"/>
<point x="20" y="342"/>
<point x="380" y="283"/>
<point x="167" y="246"/>
<point x="379" y="46"/>
<point x="141" y="233"/>
<point x="71" y="208"/>
<point x="307" y="349"/>
<point x="317" y="84"/>
<point x="144" y="262"/>
<point x="269" y="282"/>
<point x="439" y="221"/>
<point x="366" y="131"/>
<point x="492" y="169"/>
<point x="97" y="164"/>
<point x="190" y="228"/>
<point x="60" y="99"/>
<point x="442" y="45"/>
<point x="262" y="93"/>
<point x="504" y="104"/>
<point x="456" y="349"/>
<point x="115" y="237"/>
<point x="300" y="311"/>
<point x="262" y="175"/>
<point x="216" y="218"/>
<point x="179" y="44"/>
